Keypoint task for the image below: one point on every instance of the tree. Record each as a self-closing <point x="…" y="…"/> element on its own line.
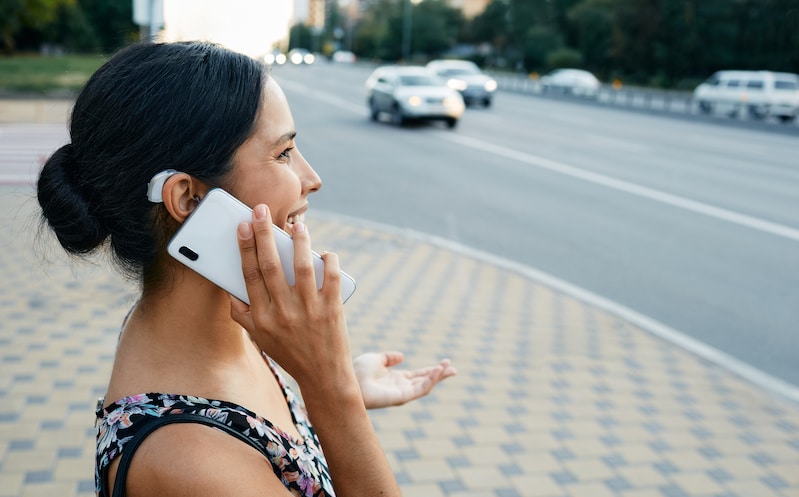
<point x="300" y="36"/>
<point x="596" y="34"/>
<point x="18" y="14"/>
<point x="112" y="22"/>
<point x="435" y="27"/>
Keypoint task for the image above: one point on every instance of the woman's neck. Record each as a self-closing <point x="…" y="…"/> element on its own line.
<point x="182" y="341"/>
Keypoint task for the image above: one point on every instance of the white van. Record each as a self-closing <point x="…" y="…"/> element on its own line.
<point x="761" y="93"/>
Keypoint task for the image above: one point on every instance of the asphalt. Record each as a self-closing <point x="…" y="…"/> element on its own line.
<point x="556" y="395"/>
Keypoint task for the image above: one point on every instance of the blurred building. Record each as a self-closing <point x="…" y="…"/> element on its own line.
<point x="313" y="11"/>
<point x="316" y="14"/>
<point x="470" y="8"/>
<point x="249" y="27"/>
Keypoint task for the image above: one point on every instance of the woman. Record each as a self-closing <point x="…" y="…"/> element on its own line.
<point x="188" y="351"/>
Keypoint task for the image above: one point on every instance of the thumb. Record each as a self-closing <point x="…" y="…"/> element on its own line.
<point x="392" y="358"/>
<point x="240" y="312"/>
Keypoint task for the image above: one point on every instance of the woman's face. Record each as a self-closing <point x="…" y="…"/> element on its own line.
<point x="268" y="168"/>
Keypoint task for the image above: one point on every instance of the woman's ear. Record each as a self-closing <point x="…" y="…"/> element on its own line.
<point x="181" y="195"/>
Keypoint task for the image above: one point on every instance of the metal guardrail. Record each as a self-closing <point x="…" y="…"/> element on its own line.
<point x="645" y="99"/>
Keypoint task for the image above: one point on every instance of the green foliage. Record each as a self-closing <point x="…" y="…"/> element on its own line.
<point x="540" y="43"/>
<point x="665" y="43"/>
<point x="668" y="43"/>
<point x="435" y="28"/>
<point x="564" y="57"/>
<point x="74" y="25"/>
<point x="300" y="36"/>
<point x="111" y="21"/>
<point x="32" y="14"/>
<point x="43" y="74"/>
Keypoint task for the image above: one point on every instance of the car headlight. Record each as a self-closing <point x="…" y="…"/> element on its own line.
<point x="309" y="58"/>
<point x="269" y="58"/>
<point x="451" y="102"/>
<point x="491" y="85"/>
<point x="296" y="58"/>
<point x="457" y="84"/>
<point x="415" y="101"/>
<point x="280" y="59"/>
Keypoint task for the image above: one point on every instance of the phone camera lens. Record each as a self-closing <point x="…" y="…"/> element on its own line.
<point x="188" y="253"/>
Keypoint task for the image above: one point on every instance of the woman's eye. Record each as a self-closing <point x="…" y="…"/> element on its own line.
<point x="286" y="153"/>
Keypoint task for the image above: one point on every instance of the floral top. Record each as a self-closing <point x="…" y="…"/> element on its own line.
<point x="299" y="464"/>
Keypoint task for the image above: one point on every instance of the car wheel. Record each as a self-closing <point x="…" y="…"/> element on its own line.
<point x="452" y="122"/>
<point x="487" y="102"/>
<point x="705" y="107"/>
<point x="756" y="112"/>
<point x="374" y="112"/>
<point x="786" y="119"/>
<point x="396" y="115"/>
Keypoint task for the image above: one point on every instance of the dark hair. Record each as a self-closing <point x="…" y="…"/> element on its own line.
<point x="186" y="106"/>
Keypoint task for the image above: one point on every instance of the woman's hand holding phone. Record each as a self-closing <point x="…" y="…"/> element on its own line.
<point x="299" y="326"/>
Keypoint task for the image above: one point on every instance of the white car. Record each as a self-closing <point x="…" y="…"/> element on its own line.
<point x="467" y="78"/>
<point x="344" y="57"/>
<point x="576" y="82"/>
<point x="299" y="56"/>
<point x="761" y="93"/>
<point x="275" y="57"/>
<point x="412" y="93"/>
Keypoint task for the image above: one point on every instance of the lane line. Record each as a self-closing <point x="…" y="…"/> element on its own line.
<point x="582" y="174"/>
<point x="749" y="373"/>
<point x="628" y="187"/>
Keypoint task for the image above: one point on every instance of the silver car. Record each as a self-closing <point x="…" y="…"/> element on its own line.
<point x="412" y="93"/>
<point x="577" y="82"/>
<point x="467" y="78"/>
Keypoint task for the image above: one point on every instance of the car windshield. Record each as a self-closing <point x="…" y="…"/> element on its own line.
<point x="785" y="85"/>
<point x="459" y="71"/>
<point x="418" y="80"/>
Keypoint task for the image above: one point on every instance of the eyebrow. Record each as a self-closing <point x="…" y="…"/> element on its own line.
<point x="285" y="137"/>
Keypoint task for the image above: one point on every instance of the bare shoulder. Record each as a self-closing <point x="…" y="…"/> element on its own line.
<point x="194" y="460"/>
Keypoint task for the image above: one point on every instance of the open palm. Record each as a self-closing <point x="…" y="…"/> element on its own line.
<point x="383" y="386"/>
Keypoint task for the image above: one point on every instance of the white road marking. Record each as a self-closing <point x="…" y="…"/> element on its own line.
<point x="749" y="373"/>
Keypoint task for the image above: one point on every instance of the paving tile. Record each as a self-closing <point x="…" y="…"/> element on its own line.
<point x="587" y="470"/>
<point x="554" y="398"/>
<point x="592" y="490"/>
<point x="754" y="488"/>
<point x="697" y="483"/>
<point x="642" y="476"/>
<point x="479" y="477"/>
<point x="536" y="486"/>
<point x="429" y="470"/>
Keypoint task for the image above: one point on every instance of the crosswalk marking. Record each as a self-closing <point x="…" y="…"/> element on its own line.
<point x="25" y="147"/>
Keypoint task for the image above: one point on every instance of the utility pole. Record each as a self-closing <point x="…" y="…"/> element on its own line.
<point x="149" y="15"/>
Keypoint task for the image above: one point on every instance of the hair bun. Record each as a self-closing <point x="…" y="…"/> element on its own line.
<point x="66" y="209"/>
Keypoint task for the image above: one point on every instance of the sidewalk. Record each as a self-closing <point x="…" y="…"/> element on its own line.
<point x="554" y="397"/>
<point x="34" y="110"/>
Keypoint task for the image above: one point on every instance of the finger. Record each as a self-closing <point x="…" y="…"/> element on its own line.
<point x="249" y="264"/>
<point x="449" y="370"/>
<point x="423" y="372"/>
<point x="304" y="277"/>
<point x="268" y="257"/>
<point x="392" y="358"/>
<point x="240" y="312"/>
<point x="331" y="284"/>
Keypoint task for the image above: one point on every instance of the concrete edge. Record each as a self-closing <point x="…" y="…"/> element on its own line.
<point x="752" y="375"/>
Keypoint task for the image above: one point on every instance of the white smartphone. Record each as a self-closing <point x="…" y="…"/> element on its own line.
<point x="207" y="243"/>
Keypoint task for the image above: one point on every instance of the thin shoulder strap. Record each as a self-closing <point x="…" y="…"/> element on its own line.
<point x="151" y="426"/>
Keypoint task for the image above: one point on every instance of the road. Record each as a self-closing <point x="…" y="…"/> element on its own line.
<point x="694" y="224"/>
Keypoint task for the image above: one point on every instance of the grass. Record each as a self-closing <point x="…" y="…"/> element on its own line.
<point x="41" y="74"/>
